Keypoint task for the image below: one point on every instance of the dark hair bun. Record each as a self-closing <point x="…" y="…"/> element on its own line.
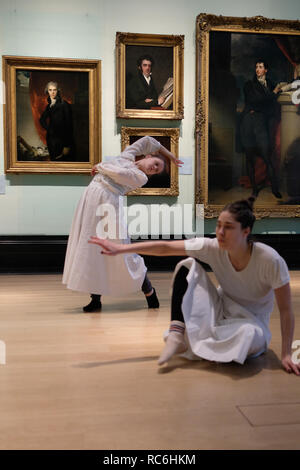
<point x="242" y="211"/>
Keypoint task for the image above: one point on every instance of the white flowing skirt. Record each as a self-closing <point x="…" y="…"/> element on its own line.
<point x="217" y="328"/>
<point x="86" y="269"/>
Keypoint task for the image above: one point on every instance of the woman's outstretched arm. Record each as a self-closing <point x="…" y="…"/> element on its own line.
<point x="157" y="248"/>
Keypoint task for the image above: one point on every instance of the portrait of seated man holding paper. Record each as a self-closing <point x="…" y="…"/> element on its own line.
<point x="149" y="78"/>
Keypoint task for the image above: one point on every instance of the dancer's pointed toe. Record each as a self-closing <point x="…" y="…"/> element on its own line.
<point x="175" y="344"/>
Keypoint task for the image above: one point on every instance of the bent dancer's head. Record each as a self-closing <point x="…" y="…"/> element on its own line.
<point x="152" y="164"/>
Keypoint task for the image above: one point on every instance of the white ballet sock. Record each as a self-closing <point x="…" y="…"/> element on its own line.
<point x="175" y="343"/>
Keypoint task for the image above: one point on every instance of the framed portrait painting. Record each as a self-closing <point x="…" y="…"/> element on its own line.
<point x="166" y="183"/>
<point x="149" y="76"/>
<point x="52" y="115"/>
<point x="247" y="114"/>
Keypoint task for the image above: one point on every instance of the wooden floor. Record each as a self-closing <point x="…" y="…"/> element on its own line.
<point x="91" y="381"/>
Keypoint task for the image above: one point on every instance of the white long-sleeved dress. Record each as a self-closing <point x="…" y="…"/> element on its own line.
<point x="100" y="212"/>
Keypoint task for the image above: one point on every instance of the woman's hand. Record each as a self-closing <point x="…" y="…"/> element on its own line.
<point x="94" y="170"/>
<point x="108" y="247"/>
<point x="172" y="158"/>
<point x="166" y="153"/>
<point x="177" y="162"/>
<point x="289" y="365"/>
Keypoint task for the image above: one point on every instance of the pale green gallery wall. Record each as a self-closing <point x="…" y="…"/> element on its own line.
<point x="44" y="204"/>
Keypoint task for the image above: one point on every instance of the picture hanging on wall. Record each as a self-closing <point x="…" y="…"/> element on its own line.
<point x="166" y="183"/>
<point x="149" y="76"/>
<point x="248" y="114"/>
<point x="52" y="114"/>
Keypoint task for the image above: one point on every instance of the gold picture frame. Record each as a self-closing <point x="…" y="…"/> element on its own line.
<point x="158" y="185"/>
<point x="165" y="53"/>
<point x="40" y="137"/>
<point x="223" y="71"/>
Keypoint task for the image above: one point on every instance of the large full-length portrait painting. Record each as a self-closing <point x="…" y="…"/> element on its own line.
<point x="52" y="115"/>
<point x="166" y="183"/>
<point x="149" y="76"/>
<point x="247" y="114"/>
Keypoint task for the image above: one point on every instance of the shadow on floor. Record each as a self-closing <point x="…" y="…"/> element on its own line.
<point x="116" y="309"/>
<point x="88" y="365"/>
<point x="251" y="367"/>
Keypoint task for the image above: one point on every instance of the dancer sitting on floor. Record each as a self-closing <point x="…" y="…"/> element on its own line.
<point x="100" y="211"/>
<point x="229" y="323"/>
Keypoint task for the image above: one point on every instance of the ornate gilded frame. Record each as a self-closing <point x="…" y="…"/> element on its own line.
<point x="154" y="41"/>
<point x="173" y="135"/>
<point x="205" y="25"/>
<point x="13" y="64"/>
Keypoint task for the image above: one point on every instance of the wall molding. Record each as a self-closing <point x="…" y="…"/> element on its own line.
<point x="46" y="253"/>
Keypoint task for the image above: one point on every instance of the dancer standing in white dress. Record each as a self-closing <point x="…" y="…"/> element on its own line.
<point x="100" y="212"/>
<point x="229" y="323"/>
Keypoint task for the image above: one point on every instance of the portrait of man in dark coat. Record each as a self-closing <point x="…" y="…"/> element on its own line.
<point x="52" y="116"/>
<point x="141" y="91"/>
<point x="258" y="125"/>
<point x="58" y="122"/>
